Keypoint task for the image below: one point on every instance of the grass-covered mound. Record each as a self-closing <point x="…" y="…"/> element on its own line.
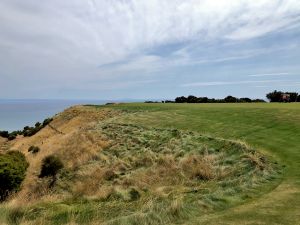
<point x="140" y="175"/>
<point x="171" y="162"/>
<point x="177" y="173"/>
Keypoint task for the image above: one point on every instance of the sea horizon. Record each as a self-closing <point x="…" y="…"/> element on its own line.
<point x="15" y="114"/>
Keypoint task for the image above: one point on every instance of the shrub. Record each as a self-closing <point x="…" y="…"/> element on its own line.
<point x="30" y="131"/>
<point x="13" y="166"/>
<point x="47" y="121"/>
<point x="109" y="175"/>
<point x="50" y="166"/>
<point x="33" y="149"/>
<point x="11" y="137"/>
<point x="37" y="124"/>
<point x="196" y="167"/>
<point x="4" y="134"/>
<point x="134" y="194"/>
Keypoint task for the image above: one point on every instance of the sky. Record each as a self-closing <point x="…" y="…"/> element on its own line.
<point x="154" y="49"/>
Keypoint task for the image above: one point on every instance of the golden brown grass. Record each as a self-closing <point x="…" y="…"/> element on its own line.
<point x="199" y="167"/>
<point x="4" y="144"/>
<point x="256" y="160"/>
<point x="78" y="144"/>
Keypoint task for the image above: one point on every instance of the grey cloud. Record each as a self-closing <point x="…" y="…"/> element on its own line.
<point x="50" y="41"/>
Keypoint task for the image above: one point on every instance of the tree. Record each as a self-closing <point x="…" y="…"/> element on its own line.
<point x="181" y="99"/>
<point x="279" y="96"/>
<point x="275" y="96"/>
<point x="231" y="99"/>
<point x="203" y="100"/>
<point x="245" y="100"/>
<point x="192" y="99"/>
<point x="37" y="124"/>
<point x="258" y="100"/>
<point x="293" y="96"/>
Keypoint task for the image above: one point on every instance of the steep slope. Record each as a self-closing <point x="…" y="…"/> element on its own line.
<point x="70" y="137"/>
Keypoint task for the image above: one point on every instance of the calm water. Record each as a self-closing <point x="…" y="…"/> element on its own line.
<point x="15" y="114"/>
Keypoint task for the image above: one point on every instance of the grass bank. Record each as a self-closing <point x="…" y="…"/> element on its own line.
<point x="169" y="163"/>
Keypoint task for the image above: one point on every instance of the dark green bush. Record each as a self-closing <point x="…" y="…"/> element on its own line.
<point x="13" y="166"/>
<point x="12" y="137"/>
<point x="4" y="134"/>
<point x="30" y="131"/>
<point x="37" y="124"/>
<point x="33" y="149"/>
<point x="50" y="166"/>
<point x="134" y="194"/>
<point x="47" y="121"/>
<point x="27" y="131"/>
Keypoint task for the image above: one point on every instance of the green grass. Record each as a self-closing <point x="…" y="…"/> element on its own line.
<point x="272" y="128"/>
<point x="251" y="197"/>
<point x="176" y="174"/>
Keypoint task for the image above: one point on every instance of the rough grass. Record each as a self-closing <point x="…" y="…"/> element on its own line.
<point x="129" y="167"/>
<point x="274" y="128"/>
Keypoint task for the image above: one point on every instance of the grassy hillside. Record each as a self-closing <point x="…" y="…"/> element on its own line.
<point x="164" y="163"/>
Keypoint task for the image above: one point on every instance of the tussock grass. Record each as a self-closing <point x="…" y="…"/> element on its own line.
<point x="119" y="173"/>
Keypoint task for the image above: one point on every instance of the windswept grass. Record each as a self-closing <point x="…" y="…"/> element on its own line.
<point x="119" y="171"/>
<point x="273" y="128"/>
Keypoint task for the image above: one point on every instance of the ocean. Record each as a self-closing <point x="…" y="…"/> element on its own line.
<point x="16" y="114"/>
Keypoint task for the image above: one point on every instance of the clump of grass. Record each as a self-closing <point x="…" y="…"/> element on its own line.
<point x="15" y="215"/>
<point x="109" y="175"/>
<point x="256" y="160"/>
<point x="197" y="167"/>
<point x="176" y="207"/>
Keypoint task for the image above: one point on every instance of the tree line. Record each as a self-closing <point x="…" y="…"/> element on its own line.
<point x="27" y="131"/>
<point x="279" y="96"/>
<point x="275" y="96"/>
<point x="228" y="99"/>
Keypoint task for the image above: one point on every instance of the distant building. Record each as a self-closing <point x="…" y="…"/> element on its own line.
<point x="285" y="97"/>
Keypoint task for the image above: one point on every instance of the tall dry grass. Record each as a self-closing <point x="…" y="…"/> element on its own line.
<point x="77" y="144"/>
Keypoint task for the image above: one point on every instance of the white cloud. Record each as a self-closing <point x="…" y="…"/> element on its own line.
<point x="44" y="42"/>
<point x="288" y="84"/>
<point x="268" y="74"/>
<point x="98" y="32"/>
<point x="221" y="83"/>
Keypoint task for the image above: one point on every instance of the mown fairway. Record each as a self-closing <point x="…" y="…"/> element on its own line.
<point x="272" y="128"/>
